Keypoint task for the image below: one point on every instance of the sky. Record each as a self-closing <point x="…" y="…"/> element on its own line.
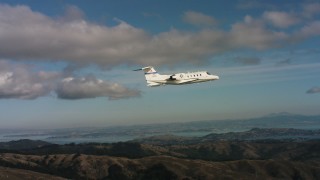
<point x="67" y="64"/>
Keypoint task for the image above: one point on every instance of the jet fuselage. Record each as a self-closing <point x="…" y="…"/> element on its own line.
<point x="155" y="79"/>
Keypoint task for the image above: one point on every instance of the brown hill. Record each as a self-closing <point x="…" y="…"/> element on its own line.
<point x="78" y="166"/>
<point x="18" y="174"/>
<point x="263" y="159"/>
<point x="238" y="150"/>
<point x="213" y="151"/>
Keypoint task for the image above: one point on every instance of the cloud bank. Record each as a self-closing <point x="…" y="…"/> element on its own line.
<point x="281" y="19"/>
<point x="90" y="87"/>
<point x="21" y="82"/>
<point x="18" y="81"/>
<point x="26" y="34"/>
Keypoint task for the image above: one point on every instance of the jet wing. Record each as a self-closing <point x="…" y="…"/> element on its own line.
<point x="180" y="81"/>
<point x="187" y="80"/>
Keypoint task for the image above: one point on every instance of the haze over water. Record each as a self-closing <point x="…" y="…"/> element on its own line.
<point x="188" y="129"/>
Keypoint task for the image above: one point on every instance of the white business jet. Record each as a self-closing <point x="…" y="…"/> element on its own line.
<point x="155" y="79"/>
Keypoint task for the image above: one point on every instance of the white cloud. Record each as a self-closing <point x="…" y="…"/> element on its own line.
<point x="311" y="9"/>
<point x="198" y="19"/>
<point x="26" y="34"/>
<point x="311" y="29"/>
<point x="29" y="35"/>
<point x="281" y="19"/>
<point x="21" y="82"/>
<point x="254" y="34"/>
<point x="90" y="87"/>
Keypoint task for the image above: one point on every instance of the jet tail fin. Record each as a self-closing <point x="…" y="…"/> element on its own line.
<point x="147" y="70"/>
<point x="150" y="73"/>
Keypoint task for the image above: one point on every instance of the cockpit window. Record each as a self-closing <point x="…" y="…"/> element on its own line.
<point x="208" y="73"/>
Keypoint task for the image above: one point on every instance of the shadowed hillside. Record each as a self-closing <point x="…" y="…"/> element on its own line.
<point x="23" y="144"/>
<point x="77" y="166"/>
<point x="17" y="174"/>
<point x="216" y="156"/>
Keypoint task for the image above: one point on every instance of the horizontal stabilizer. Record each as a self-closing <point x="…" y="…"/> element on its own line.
<point x="152" y="84"/>
<point x="138" y="69"/>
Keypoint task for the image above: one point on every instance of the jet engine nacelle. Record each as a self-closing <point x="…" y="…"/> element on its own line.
<point x="173" y="77"/>
<point x="177" y="76"/>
